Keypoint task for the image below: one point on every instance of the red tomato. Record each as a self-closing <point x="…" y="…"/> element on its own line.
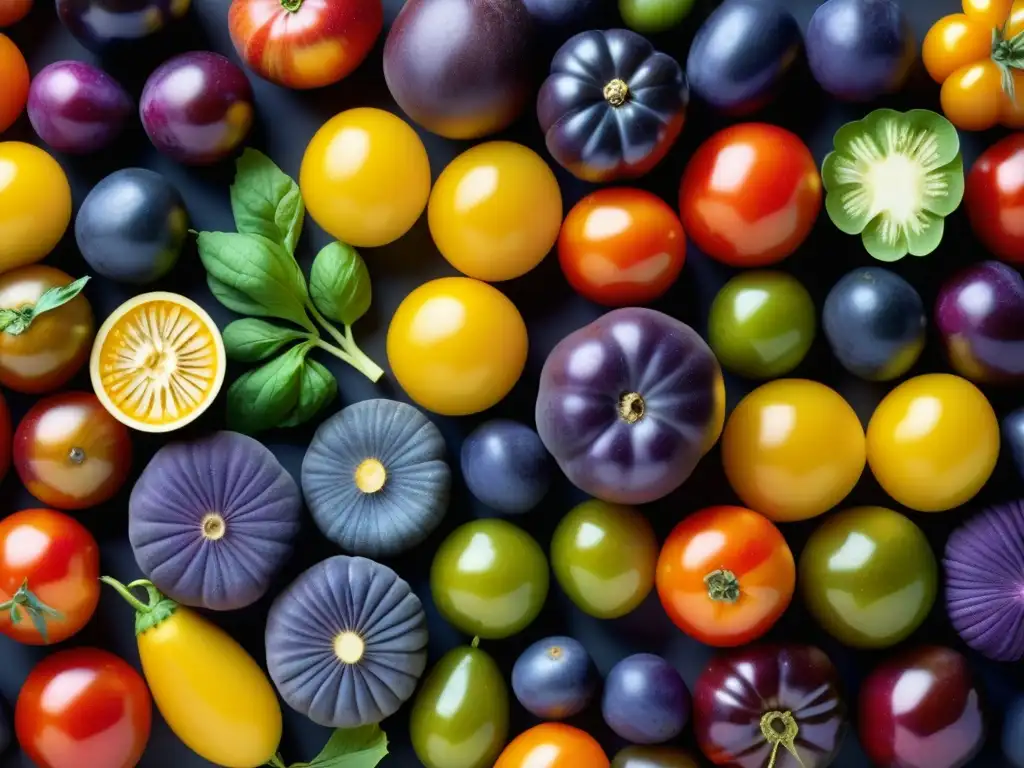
<point x="750" y="195"/>
<point x="83" y="708"/>
<point x="5" y="438"/>
<point x="621" y="247"/>
<point x="13" y="11"/>
<point x="994" y="198"/>
<point x="49" y="558"/>
<point x="725" y="575"/>
<point x="553" y="745"/>
<point x="304" y="43"/>
<point x="15" y="79"/>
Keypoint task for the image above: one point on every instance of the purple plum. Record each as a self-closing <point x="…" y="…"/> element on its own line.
<point x="197" y="107"/>
<point x="555" y="678"/>
<point x="506" y="466"/>
<point x="645" y="700"/>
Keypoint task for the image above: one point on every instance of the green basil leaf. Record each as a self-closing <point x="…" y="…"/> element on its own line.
<point x="251" y="340"/>
<point x="266" y="201"/>
<point x="318" y="389"/>
<point x="361" y="747"/>
<point x="17" y="321"/>
<point x="234" y="299"/>
<point x="263" y="398"/>
<point x="339" y="283"/>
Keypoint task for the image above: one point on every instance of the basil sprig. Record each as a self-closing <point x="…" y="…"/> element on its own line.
<point x="362" y="747"/>
<point x="254" y="272"/>
<point x="17" y="321"/>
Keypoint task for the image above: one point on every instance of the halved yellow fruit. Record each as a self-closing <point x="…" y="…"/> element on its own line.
<point x="158" y="362"/>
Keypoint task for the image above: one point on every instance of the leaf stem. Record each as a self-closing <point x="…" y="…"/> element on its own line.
<point x="276" y="762"/>
<point x="347" y="348"/>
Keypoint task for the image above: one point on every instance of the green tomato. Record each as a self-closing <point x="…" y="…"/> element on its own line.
<point x="460" y="716"/>
<point x="604" y="557"/>
<point x="868" y="576"/>
<point x="762" y="324"/>
<point x="489" y="578"/>
<point x="650" y="16"/>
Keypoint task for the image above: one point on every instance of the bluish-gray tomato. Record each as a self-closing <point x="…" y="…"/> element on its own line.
<point x="645" y="700"/>
<point x="506" y="466"/>
<point x="555" y="678"/>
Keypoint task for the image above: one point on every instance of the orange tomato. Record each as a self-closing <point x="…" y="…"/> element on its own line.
<point x="13" y="11"/>
<point x="553" y="745"/>
<point x="725" y="575"/>
<point x="15" y="79"/>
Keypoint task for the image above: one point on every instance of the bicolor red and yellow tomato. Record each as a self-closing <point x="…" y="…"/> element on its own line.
<point x="13" y="11"/>
<point x="304" y="43"/>
<point x="621" y="246"/>
<point x="15" y="78"/>
<point x="35" y="204"/>
<point x="553" y="745"/>
<point x="994" y="198"/>
<point x="750" y="195"/>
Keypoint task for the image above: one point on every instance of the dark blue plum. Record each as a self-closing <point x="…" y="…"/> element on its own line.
<point x="741" y="54"/>
<point x="859" y="50"/>
<point x="1013" y="734"/>
<point x="645" y="700"/>
<point x="506" y="466"/>
<point x="875" y="323"/>
<point x="557" y="13"/>
<point x="1013" y="433"/>
<point x="555" y="678"/>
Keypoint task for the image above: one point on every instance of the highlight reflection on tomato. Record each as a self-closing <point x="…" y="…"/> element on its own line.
<point x="553" y="745"/>
<point x="70" y="453"/>
<point x="750" y="195"/>
<point x="83" y="707"/>
<point x="621" y="246"/>
<point x="994" y="198"/>
<point x="35" y="204"/>
<point x="725" y="575"/>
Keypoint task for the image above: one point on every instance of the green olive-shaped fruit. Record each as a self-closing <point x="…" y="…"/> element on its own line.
<point x="604" y="557"/>
<point x="459" y="718"/>
<point x="489" y="578"/>
<point x="650" y="16"/>
<point x="762" y="324"/>
<point x="653" y="757"/>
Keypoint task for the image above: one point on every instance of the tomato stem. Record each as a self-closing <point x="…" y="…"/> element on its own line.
<point x="780" y="729"/>
<point x="723" y="586"/>
<point x="1008" y="55"/>
<point x="292" y="6"/>
<point x="38" y="611"/>
<point x="159" y="609"/>
<point x="276" y="762"/>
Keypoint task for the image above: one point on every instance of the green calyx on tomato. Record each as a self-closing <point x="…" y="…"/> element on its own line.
<point x="723" y="586"/>
<point x="25" y="601"/>
<point x="1008" y="55"/>
<point x="147" y="615"/>
<point x="17" y="321"/>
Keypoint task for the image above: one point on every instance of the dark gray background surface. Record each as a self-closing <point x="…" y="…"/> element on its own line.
<point x="285" y="122"/>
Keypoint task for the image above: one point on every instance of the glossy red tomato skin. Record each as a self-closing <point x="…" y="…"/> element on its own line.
<point x="318" y="44"/>
<point x="750" y="195"/>
<point x="70" y="453"/>
<point x="59" y="560"/>
<point x="5" y="438"/>
<point x="621" y="247"/>
<point x="84" y="707"/>
<point x="994" y="198"/>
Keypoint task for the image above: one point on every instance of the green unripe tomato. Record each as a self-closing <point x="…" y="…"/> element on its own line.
<point x="762" y="324"/>
<point x="489" y="578"/>
<point x="650" y="16"/>
<point x="604" y="557"/>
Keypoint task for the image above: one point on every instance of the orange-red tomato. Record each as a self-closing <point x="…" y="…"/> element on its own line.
<point x="994" y="198"/>
<point x="750" y="195"/>
<point x="15" y="80"/>
<point x="13" y="11"/>
<point x="621" y="247"/>
<point x="725" y="575"/>
<point x="553" y="745"/>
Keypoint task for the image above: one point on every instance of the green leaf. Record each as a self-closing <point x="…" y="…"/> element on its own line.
<point x="339" y="283"/>
<point x="266" y="201"/>
<point x="16" y="321"/>
<point x="233" y="299"/>
<point x="263" y="398"/>
<point x="361" y="747"/>
<point x="251" y="340"/>
<point x="318" y="388"/>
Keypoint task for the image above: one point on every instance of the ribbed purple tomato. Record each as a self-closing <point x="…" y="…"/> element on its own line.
<point x="77" y="108"/>
<point x="629" y="404"/>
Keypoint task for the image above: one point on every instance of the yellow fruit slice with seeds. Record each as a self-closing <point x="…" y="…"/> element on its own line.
<point x="158" y="362"/>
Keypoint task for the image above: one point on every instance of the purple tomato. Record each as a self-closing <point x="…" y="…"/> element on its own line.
<point x="107" y="26"/>
<point x="645" y="700"/>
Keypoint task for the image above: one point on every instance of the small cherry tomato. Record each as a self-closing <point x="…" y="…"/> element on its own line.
<point x="49" y="576"/>
<point x="15" y="78"/>
<point x="5" y="438"/>
<point x="725" y="575"/>
<point x="933" y="442"/>
<point x="70" y="453"/>
<point x="83" y="707"/>
<point x="35" y="204"/>
<point x="621" y="247"/>
<point x="995" y="198"/>
<point x="553" y="745"/>
<point x="13" y="11"/>
<point x="750" y="195"/>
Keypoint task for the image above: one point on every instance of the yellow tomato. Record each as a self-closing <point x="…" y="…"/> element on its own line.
<point x="365" y="177"/>
<point x="793" y="449"/>
<point x="35" y="204"/>
<point x="457" y="346"/>
<point x="933" y="442"/>
<point x="495" y="211"/>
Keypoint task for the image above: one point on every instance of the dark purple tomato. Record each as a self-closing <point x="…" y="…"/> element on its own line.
<point x="506" y="466"/>
<point x="769" y="705"/>
<point x="197" y="107"/>
<point x="1013" y="433"/>
<point x="557" y="13"/>
<point x="107" y="26"/>
<point x="555" y="678"/>
<point x="645" y="700"/>
<point x="860" y="49"/>
<point x="460" y="68"/>
<point x="1013" y="733"/>
<point x="980" y="315"/>
<point x="921" y="709"/>
<point x="77" y="108"/>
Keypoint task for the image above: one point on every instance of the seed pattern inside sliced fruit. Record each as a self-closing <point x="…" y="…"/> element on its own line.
<point x="158" y="364"/>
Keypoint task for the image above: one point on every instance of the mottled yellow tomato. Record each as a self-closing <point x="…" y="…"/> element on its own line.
<point x="495" y="211"/>
<point x="35" y="204"/>
<point x="933" y="442"/>
<point x="793" y="449"/>
<point x="457" y="346"/>
<point x="365" y="177"/>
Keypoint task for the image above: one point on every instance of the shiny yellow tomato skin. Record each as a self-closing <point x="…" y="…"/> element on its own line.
<point x="457" y="345"/>
<point x="495" y="211"/>
<point x="972" y="97"/>
<point x="954" y="41"/>
<point x="793" y="449"/>
<point x="365" y="177"/>
<point x="933" y="442"/>
<point x="35" y="204"/>
<point x="212" y="693"/>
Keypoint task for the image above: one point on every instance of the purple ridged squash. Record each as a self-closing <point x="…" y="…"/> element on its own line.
<point x="346" y="642"/>
<point x="460" y="68"/>
<point x="212" y="521"/>
<point x="629" y="404"/>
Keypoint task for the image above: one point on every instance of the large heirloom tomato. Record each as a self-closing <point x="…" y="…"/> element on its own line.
<point x="84" y="707"/>
<point x="35" y="204"/>
<point x="994" y="197"/>
<point x="49" y="571"/>
<point x="304" y="43"/>
<point x="725" y="575"/>
<point x="750" y="195"/>
<point x="15" y="78"/>
<point x="553" y="745"/>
